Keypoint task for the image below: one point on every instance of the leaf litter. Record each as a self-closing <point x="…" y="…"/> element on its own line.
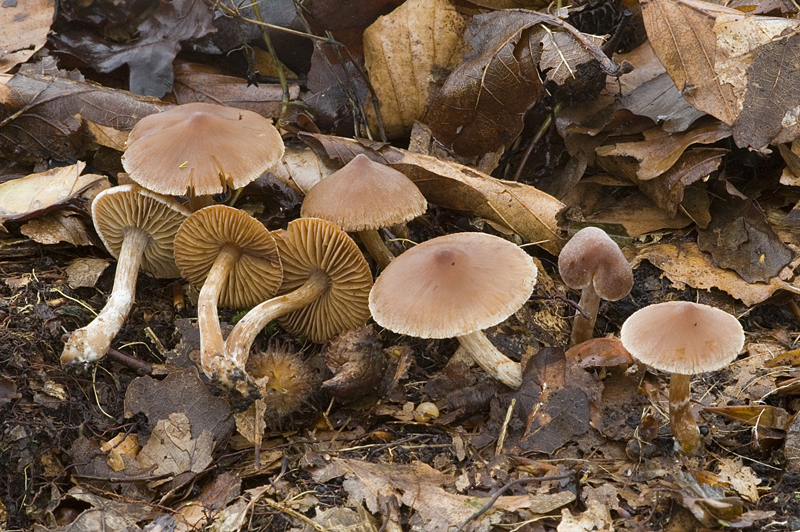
<point x="408" y="434"/>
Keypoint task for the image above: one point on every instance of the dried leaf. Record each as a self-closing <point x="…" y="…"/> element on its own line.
<point x="38" y="194"/>
<point x="85" y="272"/>
<point x="335" y="15"/>
<point x="661" y="150"/>
<point x="171" y="449"/>
<point x="401" y="50"/>
<point x="150" y="52"/>
<point x="762" y="416"/>
<point x="681" y="33"/>
<point x="522" y="208"/>
<point x="25" y="28"/>
<point x="600" y="352"/>
<point x="55" y="227"/>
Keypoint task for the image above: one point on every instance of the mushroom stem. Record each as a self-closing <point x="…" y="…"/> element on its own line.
<point x="583" y="328"/>
<point x="681" y="419"/>
<point x="91" y="342"/>
<point x="491" y="360"/>
<point x="376" y="247"/>
<point x="237" y="347"/>
<point x="212" y="347"/>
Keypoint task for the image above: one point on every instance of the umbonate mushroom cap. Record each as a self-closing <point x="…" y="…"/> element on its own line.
<point x="683" y="337"/>
<point x="118" y="208"/>
<point x="452" y="285"/>
<point x="364" y="195"/>
<point x="592" y="257"/>
<point x="200" y="148"/>
<point x="255" y="276"/>
<point x="311" y="244"/>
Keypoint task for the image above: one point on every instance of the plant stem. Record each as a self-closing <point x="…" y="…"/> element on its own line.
<point x="212" y="347"/>
<point x="376" y="247"/>
<point x="583" y="328"/>
<point x="491" y="360"/>
<point x="681" y="419"/>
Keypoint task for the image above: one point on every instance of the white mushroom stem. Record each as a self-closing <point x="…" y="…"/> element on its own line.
<point x="212" y="346"/>
<point x="92" y="342"/>
<point x="583" y="328"/>
<point x="681" y="419"/>
<point x="491" y="360"/>
<point x="377" y="247"/>
<point x="237" y="347"/>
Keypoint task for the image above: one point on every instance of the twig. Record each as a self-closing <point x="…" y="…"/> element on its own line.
<point x="504" y="489"/>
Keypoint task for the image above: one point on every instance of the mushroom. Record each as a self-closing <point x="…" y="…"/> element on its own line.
<point x="137" y="227"/>
<point x="457" y="285"/>
<point x="197" y="149"/>
<point x="592" y="262"/>
<point x="326" y="283"/>
<point x="365" y="196"/>
<point x="683" y="338"/>
<point x="234" y="260"/>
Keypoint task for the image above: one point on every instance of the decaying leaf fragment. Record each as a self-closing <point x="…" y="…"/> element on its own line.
<point x="401" y="50"/>
<point x="25" y="28"/>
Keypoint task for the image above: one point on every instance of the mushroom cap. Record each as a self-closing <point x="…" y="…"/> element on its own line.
<point x="311" y="244"/>
<point x="452" y="285"/>
<point x="592" y="257"/>
<point x="118" y="208"/>
<point x="200" y="148"/>
<point x="257" y="273"/>
<point x="683" y="337"/>
<point x="364" y="195"/>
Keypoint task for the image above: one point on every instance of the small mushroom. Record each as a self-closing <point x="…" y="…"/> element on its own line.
<point x="137" y="227"/>
<point x="683" y="338"/>
<point x="326" y="283"/>
<point x="234" y="261"/>
<point x="365" y="196"/>
<point x="456" y="286"/>
<point x="197" y="149"/>
<point x="593" y="263"/>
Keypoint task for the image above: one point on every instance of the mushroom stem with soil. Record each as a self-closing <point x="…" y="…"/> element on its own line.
<point x="376" y="247"/>
<point x="92" y="342"/>
<point x="681" y="420"/>
<point x="491" y="360"/>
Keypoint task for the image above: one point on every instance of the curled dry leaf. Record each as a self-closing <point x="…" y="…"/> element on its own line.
<point x="523" y="209"/>
<point x="401" y="51"/>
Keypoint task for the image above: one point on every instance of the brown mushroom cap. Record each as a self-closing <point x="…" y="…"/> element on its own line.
<point x="200" y="148"/>
<point x="255" y="277"/>
<point x="364" y="195"/>
<point x="683" y="337"/>
<point x="592" y="257"/>
<point x="308" y="245"/>
<point x="452" y="285"/>
<point x="116" y="209"/>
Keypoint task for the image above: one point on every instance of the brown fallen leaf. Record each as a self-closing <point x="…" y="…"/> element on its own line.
<point x="762" y="416"/>
<point x="660" y="150"/>
<point x="25" y="28"/>
<point x="687" y="264"/>
<point x="202" y="83"/>
<point x="38" y="194"/>
<point x="600" y="352"/>
<point x="85" y="271"/>
<point x="401" y="50"/>
<point x="522" y="208"/>
<point x="791" y="447"/>
<point x="681" y="33"/>
<point x="55" y="227"/>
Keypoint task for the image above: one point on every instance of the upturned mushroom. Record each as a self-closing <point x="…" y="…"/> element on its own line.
<point x="684" y="339"/>
<point x="325" y="289"/>
<point x="137" y="227"/>
<point x="593" y="263"/>
<point x="199" y="149"/>
<point x="364" y="196"/>
<point x="456" y="286"/>
<point x="234" y="261"/>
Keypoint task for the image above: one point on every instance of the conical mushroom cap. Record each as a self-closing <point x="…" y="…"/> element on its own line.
<point x="683" y="337"/>
<point x="452" y="285"/>
<point x="200" y="148"/>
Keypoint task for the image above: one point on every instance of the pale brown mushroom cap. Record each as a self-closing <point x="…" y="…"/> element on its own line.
<point x="683" y="337"/>
<point x="452" y="285"/>
<point x="591" y="256"/>
<point x="364" y="195"/>
<point x="256" y="275"/>
<point x="200" y="148"/>
<point x="311" y="244"/>
<point x="118" y="208"/>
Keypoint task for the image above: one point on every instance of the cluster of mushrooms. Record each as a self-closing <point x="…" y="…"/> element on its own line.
<point x="313" y="278"/>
